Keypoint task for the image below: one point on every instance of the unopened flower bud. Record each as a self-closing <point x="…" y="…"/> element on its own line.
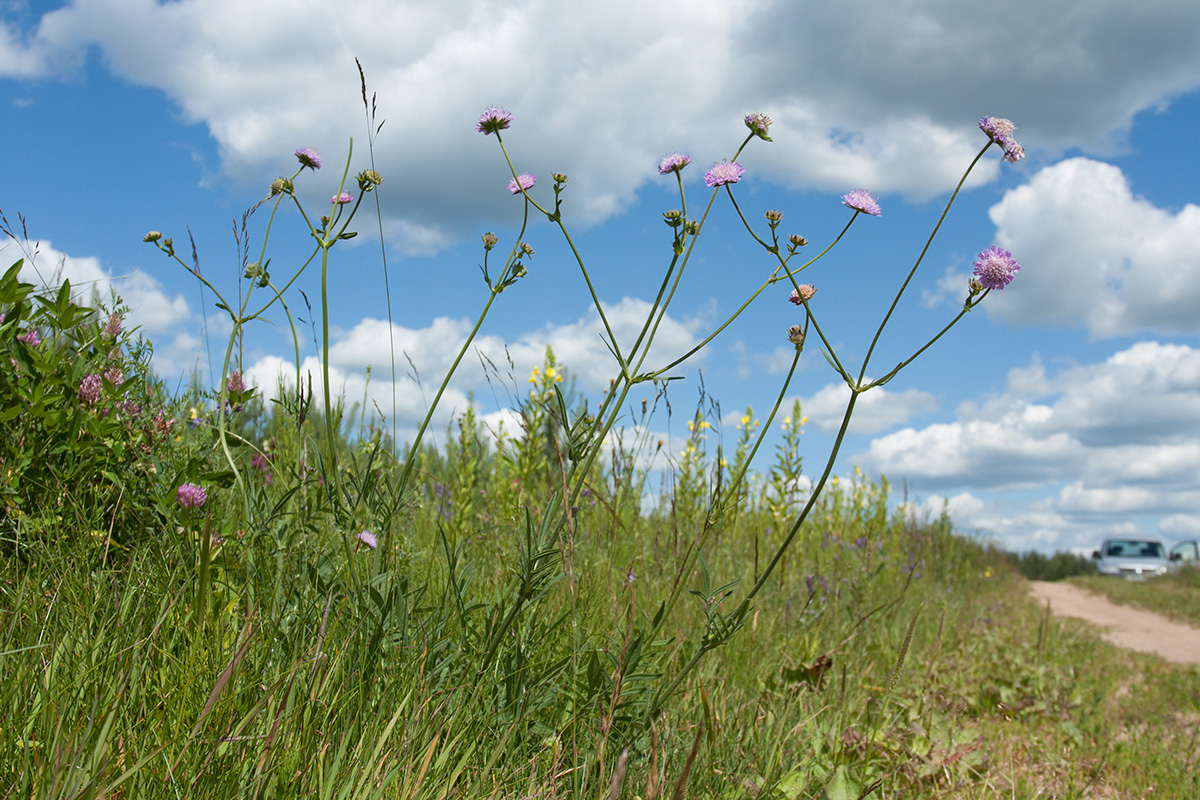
<point x="558" y="177"/>
<point x="519" y="270"/>
<point x="489" y="241"/>
<point x="526" y="249"/>
<point x="674" y="217"/>
<point x="152" y="236"/>
<point x="796" y="335"/>
<point x="975" y="285"/>
<point x="368" y="180"/>
<point x="797" y="241"/>
<point x="692" y="227"/>
<point x="773" y="215"/>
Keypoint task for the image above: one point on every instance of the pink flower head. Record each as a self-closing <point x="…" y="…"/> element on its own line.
<point x="673" y="162"/>
<point x="308" y="157"/>
<point x="996" y="268"/>
<point x="234" y="383"/>
<point x="341" y="199"/>
<point x="862" y="200"/>
<point x="522" y="182"/>
<point x="189" y="495"/>
<point x="114" y="376"/>
<point x="30" y="338"/>
<point x="805" y="292"/>
<point x="493" y="120"/>
<point x="368" y="538"/>
<point x="724" y="172"/>
<point x="90" y="389"/>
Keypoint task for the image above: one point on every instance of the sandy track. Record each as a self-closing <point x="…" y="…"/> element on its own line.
<point x="1124" y="626"/>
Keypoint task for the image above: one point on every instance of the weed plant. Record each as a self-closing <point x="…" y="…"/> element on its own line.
<point x="214" y="595"/>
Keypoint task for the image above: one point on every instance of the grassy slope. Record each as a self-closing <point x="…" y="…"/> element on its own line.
<point x="1176" y="595"/>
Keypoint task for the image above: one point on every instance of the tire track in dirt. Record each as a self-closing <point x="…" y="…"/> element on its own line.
<point x="1124" y="626"/>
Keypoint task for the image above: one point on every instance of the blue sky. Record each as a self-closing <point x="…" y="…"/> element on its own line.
<point x="1064" y="409"/>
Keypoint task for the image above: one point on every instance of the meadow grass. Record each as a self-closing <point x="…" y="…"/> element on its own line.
<point x="1175" y="595"/>
<point x="113" y="687"/>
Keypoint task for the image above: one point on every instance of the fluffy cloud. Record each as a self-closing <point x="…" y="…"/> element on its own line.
<point x="861" y="94"/>
<point x="876" y="410"/>
<point x="431" y="351"/>
<point x="1117" y="441"/>
<point x="1095" y="255"/>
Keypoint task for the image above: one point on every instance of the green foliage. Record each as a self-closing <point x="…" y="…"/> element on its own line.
<point x="1175" y="595"/>
<point x="1037" y="567"/>
<point x="86" y="433"/>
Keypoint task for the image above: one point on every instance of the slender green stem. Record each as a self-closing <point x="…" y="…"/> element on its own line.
<point x="896" y="301"/>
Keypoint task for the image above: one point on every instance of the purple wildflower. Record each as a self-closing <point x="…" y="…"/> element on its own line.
<point x="673" y="162"/>
<point x="758" y="125"/>
<point x="805" y="292"/>
<point x="1000" y="131"/>
<point x="998" y="128"/>
<point x="493" y="120"/>
<point x="234" y="384"/>
<point x="30" y="338"/>
<point x="90" y="389"/>
<point x="862" y="200"/>
<point x="724" y="172"/>
<point x="521" y="182"/>
<point x="368" y="538"/>
<point x="341" y="199"/>
<point x="112" y="328"/>
<point x="190" y="495"/>
<point x="308" y="157"/>
<point x="1013" y="152"/>
<point x="114" y="376"/>
<point x="996" y="268"/>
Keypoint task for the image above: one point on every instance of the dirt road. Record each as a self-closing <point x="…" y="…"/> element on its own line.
<point x="1124" y="626"/>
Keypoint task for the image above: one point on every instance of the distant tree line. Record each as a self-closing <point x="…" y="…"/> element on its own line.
<point x="1038" y="567"/>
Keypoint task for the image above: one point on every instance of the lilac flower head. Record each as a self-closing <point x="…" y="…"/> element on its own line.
<point x="341" y="199"/>
<point x="114" y="376"/>
<point x="368" y="538"/>
<point x="308" y="157"/>
<point x="998" y="128"/>
<point x="805" y="292"/>
<point x="189" y="495"/>
<point x="493" y="120"/>
<point x="724" y="172"/>
<point x="758" y="125"/>
<point x="30" y="338"/>
<point x="90" y="389"/>
<point x="1000" y="131"/>
<point x="673" y="162"/>
<point x="996" y="268"/>
<point x="1013" y="152"/>
<point x="521" y="182"/>
<point x="862" y="200"/>
<point x="234" y="384"/>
